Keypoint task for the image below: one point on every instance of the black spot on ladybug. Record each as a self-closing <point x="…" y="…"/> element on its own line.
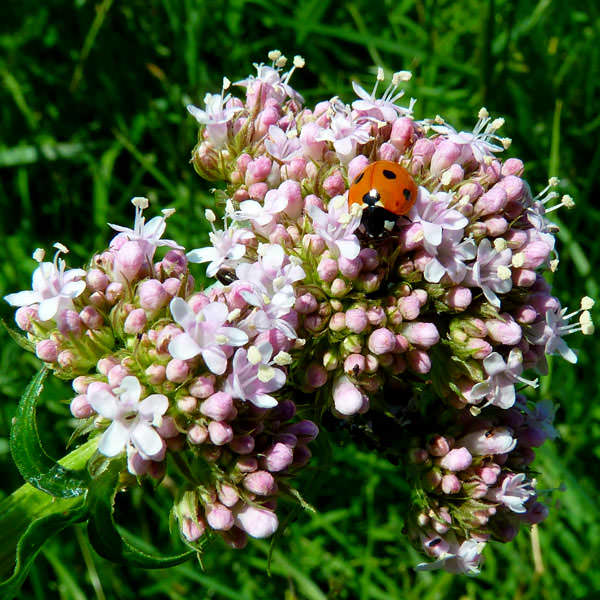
<point x="389" y="174"/>
<point x="359" y="178"/>
<point x="406" y="193"/>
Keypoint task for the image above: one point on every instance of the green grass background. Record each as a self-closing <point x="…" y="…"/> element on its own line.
<point x="92" y="112"/>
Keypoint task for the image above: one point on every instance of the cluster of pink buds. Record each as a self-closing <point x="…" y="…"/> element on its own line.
<point x="448" y="301"/>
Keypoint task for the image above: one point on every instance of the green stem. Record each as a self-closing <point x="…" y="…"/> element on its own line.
<point x="27" y="503"/>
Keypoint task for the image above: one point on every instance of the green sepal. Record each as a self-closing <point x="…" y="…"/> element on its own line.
<point x="108" y="541"/>
<point x="31" y="542"/>
<point x="36" y="467"/>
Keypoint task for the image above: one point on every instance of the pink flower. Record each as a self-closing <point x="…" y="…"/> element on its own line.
<point x="337" y="227"/>
<point x="282" y="146"/>
<point x="449" y="257"/>
<point x="513" y="492"/>
<point x="133" y="422"/>
<point x="204" y="333"/>
<point x="347" y="398"/>
<point x="253" y="377"/>
<point x="463" y="559"/>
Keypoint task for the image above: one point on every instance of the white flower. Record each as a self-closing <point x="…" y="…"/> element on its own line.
<point x="449" y="257"/>
<point x="480" y="142"/>
<point x="513" y="492"/>
<point x="462" y="559"/>
<point x="226" y="250"/>
<point x="336" y="227"/>
<point x="204" y="333"/>
<point x="263" y="215"/>
<point x="345" y="134"/>
<point x="133" y="422"/>
<point x="53" y="288"/>
<point x="282" y="146"/>
<point x="148" y="234"/>
<point x="384" y="108"/>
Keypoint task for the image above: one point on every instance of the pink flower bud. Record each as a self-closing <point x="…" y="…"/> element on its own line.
<point x="388" y="151"/>
<point x="424" y="335"/>
<point x="218" y="406"/>
<point x="402" y="132"/>
<point x="350" y="268"/>
<point x="129" y="260"/>
<point x="496" y="226"/>
<point x="376" y="316"/>
<point x="316" y="375"/>
<point x="423" y="150"/>
<point x="493" y="201"/>
<point x="174" y="264"/>
<point x="80" y="407"/>
<point x="69" y="323"/>
<point x="451" y="484"/>
<point x="438" y="446"/>
<point x="197" y="434"/>
<point x="478" y="348"/>
<point x="356" y="320"/>
<point x="278" y="457"/>
<point x="106" y="364"/>
<point x="459" y="298"/>
<point x="471" y="189"/>
<point x="334" y="185"/>
<point x="219" y="517"/>
<point x="381" y="341"/>
<point x="257" y="522"/>
<point x="354" y="364"/>
<point x="489" y="473"/>
<point x="203" y="387"/>
<point x="356" y="166"/>
<point x="512" y="166"/>
<point x="305" y="431"/>
<point x="445" y="154"/>
<point x="96" y="280"/>
<point x="458" y="459"/>
<point x="177" y="370"/>
<point x="25" y="316"/>
<point x="419" y="361"/>
<point x="135" y="321"/>
<point x="242" y="444"/>
<point x="192" y="530"/>
<point x="312" y="148"/>
<point x="114" y="291"/>
<point x="220" y="432"/>
<point x="327" y="269"/>
<point x="258" y="170"/>
<point x="228" y="495"/>
<point x="536" y="513"/>
<point x="504" y="330"/>
<point x="91" y="318"/>
<point x="347" y="398"/>
<point x="411" y="237"/>
<point x="306" y="304"/>
<point x="525" y="314"/>
<point x="258" y="191"/>
<point x="369" y="259"/>
<point x="116" y="375"/>
<point x="513" y="186"/>
<point x="261" y="483"/>
<point x="47" y="350"/>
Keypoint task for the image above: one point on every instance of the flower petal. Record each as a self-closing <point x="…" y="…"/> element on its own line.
<point x="114" y="439"/>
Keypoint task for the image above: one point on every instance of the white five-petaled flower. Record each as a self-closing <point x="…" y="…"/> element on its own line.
<point x="499" y="387"/>
<point x="204" y="333"/>
<point x="345" y="134"/>
<point x="513" y="492"/>
<point x="147" y="234"/>
<point x="133" y="421"/>
<point x="491" y="272"/>
<point x="253" y="376"/>
<point x="53" y="288"/>
<point x="226" y="250"/>
<point x="216" y="116"/>
<point x="449" y="257"/>
<point x="435" y="216"/>
<point x="384" y="108"/>
<point x="337" y="227"/>
<point x="282" y="146"/>
<point x="480" y="142"/>
<point x="263" y="215"/>
<point x="271" y="292"/>
<point x="462" y="559"/>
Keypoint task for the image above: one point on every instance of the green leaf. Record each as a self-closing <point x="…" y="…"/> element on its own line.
<point x="31" y="543"/>
<point x="33" y="463"/>
<point x="19" y="339"/>
<point x="106" y="539"/>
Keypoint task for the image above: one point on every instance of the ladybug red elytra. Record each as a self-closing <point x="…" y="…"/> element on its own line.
<point x="386" y="190"/>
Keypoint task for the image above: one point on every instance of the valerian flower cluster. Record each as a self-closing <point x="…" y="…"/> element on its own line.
<point x="434" y="329"/>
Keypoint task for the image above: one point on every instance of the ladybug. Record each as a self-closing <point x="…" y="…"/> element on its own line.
<point x="387" y="191"/>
